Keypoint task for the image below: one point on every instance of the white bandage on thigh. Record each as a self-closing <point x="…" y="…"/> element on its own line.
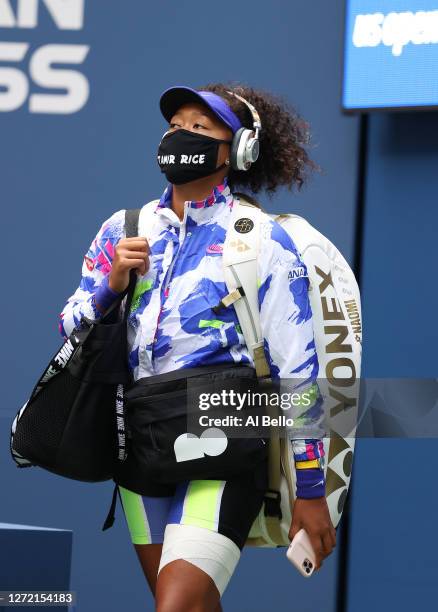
<point x="209" y="550"/>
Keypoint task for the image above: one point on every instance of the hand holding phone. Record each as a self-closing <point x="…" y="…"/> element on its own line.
<point x="300" y="553"/>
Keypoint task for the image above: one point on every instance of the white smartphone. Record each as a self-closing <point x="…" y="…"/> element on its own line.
<point x="300" y="553"/>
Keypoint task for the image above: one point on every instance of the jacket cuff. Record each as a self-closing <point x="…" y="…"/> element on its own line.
<point x="310" y="483"/>
<point x="308" y="449"/>
<point x="104" y="295"/>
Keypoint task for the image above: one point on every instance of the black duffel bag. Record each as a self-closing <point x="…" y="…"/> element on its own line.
<point x="157" y="416"/>
<point x="73" y="423"/>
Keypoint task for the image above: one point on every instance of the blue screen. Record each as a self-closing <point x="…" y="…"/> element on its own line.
<point x="390" y="54"/>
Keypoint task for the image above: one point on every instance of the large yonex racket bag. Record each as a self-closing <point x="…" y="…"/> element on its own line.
<point x="338" y="345"/>
<point x="73" y="423"/>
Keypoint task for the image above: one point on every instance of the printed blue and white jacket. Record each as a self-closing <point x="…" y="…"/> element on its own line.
<point x="171" y="324"/>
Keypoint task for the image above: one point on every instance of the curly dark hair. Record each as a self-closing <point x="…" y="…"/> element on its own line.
<point x="283" y="159"/>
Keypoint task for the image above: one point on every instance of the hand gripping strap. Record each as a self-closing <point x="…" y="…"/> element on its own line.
<point x="138" y="222"/>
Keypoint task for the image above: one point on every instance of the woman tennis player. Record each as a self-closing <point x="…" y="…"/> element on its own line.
<point x="189" y="537"/>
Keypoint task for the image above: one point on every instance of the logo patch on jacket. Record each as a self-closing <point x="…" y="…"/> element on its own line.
<point x="89" y="262"/>
<point x="244" y="225"/>
<point x="239" y="245"/>
<point x="297" y="273"/>
<point x="215" y="249"/>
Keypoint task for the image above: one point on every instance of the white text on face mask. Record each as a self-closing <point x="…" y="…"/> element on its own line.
<point x="184" y="159"/>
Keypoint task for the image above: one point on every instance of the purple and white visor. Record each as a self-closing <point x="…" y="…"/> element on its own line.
<point x="174" y="97"/>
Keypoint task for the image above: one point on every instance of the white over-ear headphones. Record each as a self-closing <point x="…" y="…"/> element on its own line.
<point x="245" y="147"/>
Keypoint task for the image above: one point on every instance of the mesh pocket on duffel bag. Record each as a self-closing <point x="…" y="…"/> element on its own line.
<point x="40" y="428"/>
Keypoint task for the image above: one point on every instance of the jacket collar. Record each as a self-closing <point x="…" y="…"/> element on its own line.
<point x="199" y="211"/>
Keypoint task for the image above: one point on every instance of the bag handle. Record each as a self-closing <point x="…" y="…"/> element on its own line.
<point x="131" y="230"/>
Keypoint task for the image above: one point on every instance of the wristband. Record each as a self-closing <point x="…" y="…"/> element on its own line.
<point x="104" y="295"/>
<point x="310" y="483"/>
<point x="305" y="465"/>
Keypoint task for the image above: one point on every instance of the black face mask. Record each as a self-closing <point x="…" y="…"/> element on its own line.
<point x="184" y="156"/>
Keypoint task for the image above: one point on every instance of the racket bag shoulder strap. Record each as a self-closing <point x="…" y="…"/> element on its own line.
<point x="331" y="278"/>
<point x="138" y="222"/>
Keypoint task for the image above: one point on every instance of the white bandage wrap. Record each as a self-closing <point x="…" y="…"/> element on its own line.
<point x="209" y="550"/>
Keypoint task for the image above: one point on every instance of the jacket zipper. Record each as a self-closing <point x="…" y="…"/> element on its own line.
<point x="172" y="265"/>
